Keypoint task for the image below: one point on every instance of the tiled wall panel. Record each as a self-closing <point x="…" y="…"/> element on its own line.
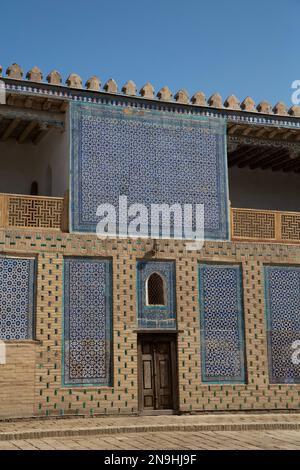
<point x="150" y="316"/>
<point x="222" y="324"/>
<point x="121" y="152"/>
<point x="282" y="290"/>
<point x="87" y="321"/>
<point x="17" y="301"/>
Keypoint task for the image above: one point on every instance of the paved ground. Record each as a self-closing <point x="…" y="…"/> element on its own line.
<point x="224" y="431"/>
<point x="211" y="440"/>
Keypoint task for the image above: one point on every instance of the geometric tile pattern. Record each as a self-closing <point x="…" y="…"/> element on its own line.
<point x="152" y="158"/>
<point x="87" y="322"/>
<point x="152" y="316"/>
<point x="282" y="288"/>
<point x="221" y="324"/>
<point x="17" y="281"/>
<point x="52" y="399"/>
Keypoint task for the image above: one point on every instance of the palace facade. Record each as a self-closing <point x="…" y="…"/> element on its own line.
<point x="125" y="325"/>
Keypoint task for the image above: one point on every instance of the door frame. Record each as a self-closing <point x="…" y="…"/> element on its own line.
<point x="165" y="336"/>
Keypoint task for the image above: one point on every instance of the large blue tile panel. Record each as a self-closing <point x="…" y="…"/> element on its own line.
<point x="152" y="157"/>
<point x="282" y="295"/>
<point x="17" y="298"/>
<point x="222" y="324"/>
<point x="87" y="322"/>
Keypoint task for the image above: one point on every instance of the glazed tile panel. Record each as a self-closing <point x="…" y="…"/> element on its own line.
<point x="221" y="324"/>
<point x="282" y="291"/>
<point x="156" y="316"/>
<point x="17" y="281"/>
<point x="87" y="322"/>
<point x="152" y="157"/>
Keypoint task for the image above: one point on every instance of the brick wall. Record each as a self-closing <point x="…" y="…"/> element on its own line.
<point x="31" y="381"/>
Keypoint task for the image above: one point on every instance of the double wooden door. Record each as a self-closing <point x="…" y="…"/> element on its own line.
<point x="157" y="372"/>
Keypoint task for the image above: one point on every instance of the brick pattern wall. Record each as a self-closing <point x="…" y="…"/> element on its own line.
<point x="46" y="396"/>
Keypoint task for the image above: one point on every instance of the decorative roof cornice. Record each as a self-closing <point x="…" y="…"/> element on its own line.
<point x="232" y="108"/>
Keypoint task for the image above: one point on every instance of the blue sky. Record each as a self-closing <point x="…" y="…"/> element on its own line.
<point x="230" y="46"/>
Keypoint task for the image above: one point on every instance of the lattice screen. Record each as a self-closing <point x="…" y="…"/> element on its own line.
<point x="253" y="224"/>
<point x="35" y="212"/>
<point x="155" y="290"/>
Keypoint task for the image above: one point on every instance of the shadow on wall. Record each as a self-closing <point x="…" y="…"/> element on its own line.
<point x="35" y="169"/>
<point x="264" y="189"/>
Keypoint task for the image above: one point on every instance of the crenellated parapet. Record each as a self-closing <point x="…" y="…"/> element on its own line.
<point x="93" y="84"/>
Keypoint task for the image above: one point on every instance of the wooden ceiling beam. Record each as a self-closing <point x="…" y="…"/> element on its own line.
<point x="43" y="132"/>
<point x="242" y="149"/>
<point x="273" y="133"/>
<point x="10" y="99"/>
<point x="11" y="112"/>
<point x="247" y="131"/>
<point x="64" y="106"/>
<point x="264" y="132"/>
<point x="257" y="154"/>
<point x="234" y="129"/>
<point x="276" y="157"/>
<point x="287" y="165"/>
<point x="294" y="169"/>
<point x="47" y="105"/>
<point x="26" y="132"/>
<point x="10" y="128"/>
<point x="261" y="132"/>
<point x="243" y="155"/>
<point x="279" y="166"/>
<point x="262" y="157"/>
<point x="28" y="103"/>
<point x="242" y="152"/>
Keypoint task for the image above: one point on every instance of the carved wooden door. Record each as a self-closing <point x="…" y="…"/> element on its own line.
<point x="156" y="374"/>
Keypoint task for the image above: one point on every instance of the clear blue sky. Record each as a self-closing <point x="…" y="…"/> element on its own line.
<point x="230" y="46"/>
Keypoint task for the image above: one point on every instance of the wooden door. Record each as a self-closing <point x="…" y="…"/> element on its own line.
<point x="157" y="373"/>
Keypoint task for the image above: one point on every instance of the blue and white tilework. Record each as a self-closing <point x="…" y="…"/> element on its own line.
<point x="222" y="324"/>
<point x="151" y="316"/>
<point x="87" y="322"/>
<point x="282" y="293"/>
<point x="152" y="157"/>
<point x="17" y="281"/>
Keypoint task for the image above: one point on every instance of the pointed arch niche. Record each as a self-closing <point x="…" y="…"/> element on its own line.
<point x="155" y="290"/>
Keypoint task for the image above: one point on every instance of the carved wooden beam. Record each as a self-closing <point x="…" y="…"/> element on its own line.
<point x="11" y="112"/>
<point x="234" y="129"/>
<point x="251" y="157"/>
<point x="273" y="133"/>
<point x="262" y="155"/>
<point x="47" y="104"/>
<point x="262" y="132"/>
<point x="64" y="106"/>
<point x="44" y="130"/>
<point x="10" y="128"/>
<point x="268" y="159"/>
<point x="241" y="154"/>
<point x="28" y="129"/>
<point x="287" y="165"/>
<point x="28" y="103"/>
<point x="255" y="141"/>
<point x="279" y="166"/>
